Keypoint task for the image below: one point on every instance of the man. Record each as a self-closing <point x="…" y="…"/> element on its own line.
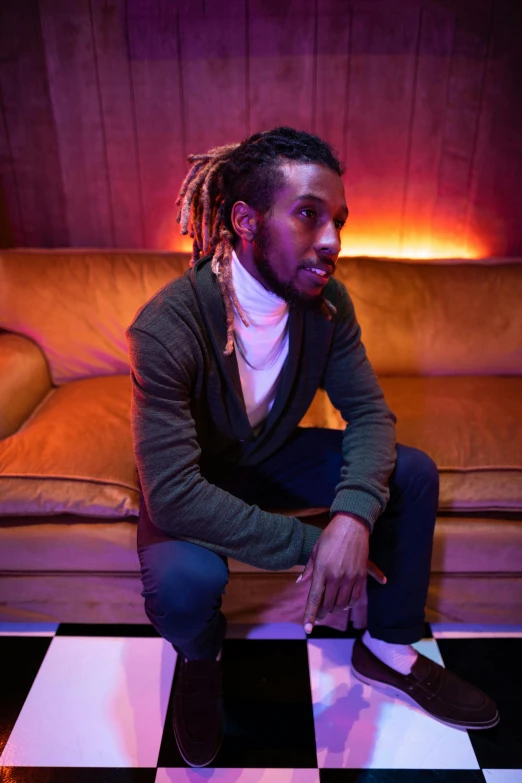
<point x="225" y="362"/>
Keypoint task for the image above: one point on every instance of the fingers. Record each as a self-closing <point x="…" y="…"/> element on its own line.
<point x="314" y="600"/>
<point x="306" y="573"/>
<point x="376" y="572"/>
<point x="349" y="595"/>
<point x="329" y="598"/>
<point x="335" y="597"/>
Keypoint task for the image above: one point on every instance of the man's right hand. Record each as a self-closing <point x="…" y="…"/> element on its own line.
<point x="338" y="566"/>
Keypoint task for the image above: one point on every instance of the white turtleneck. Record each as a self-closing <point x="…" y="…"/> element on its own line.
<point x="265" y="339"/>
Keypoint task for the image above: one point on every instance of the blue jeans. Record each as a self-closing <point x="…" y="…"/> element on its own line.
<point x="183" y="583"/>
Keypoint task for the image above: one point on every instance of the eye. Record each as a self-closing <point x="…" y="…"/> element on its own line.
<point x="310" y="213"/>
<point x="340" y="224"/>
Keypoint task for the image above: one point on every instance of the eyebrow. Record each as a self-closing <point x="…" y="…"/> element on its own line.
<point x="312" y="197"/>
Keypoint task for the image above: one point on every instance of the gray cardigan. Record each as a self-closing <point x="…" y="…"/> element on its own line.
<point x="187" y="400"/>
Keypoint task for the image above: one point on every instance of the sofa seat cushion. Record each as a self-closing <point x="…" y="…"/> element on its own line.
<point x="469" y="425"/>
<point x="74" y="454"/>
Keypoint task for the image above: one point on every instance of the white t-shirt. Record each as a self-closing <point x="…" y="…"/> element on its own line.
<point x="262" y="342"/>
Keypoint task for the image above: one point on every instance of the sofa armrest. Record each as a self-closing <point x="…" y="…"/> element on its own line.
<point x="24" y="380"/>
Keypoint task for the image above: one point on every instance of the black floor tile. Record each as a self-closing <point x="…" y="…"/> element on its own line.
<point x="401" y="776"/>
<point x="21" y="659"/>
<point x="427" y="634"/>
<point x="75" y="775"/>
<point x="493" y="665"/>
<point x="325" y="632"/>
<point x="268" y="708"/>
<point x="108" y="629"/>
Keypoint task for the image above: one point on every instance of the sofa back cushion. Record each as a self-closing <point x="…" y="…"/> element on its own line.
<point x="417" y="318"/>
<point x="444" y="318"/>
<point x="76" y="304"/>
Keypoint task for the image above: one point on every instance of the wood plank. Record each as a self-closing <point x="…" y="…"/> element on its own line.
<point x="281" y="63"/>
<point x="110" y="41"/>
<point x="95" y="154"/>
<point x="468" y="62"/>
<point x="34" y="190"/>
<point x="428" y="112"/>
<point x="11" y="226"/>
<point x="494" y="206"/>
<point x="153" y="35"/>
<point x="214" y="74"/>
<point x="381" y="83"/>
<point x="73" y="82"/>
<point x="334" y="21"/>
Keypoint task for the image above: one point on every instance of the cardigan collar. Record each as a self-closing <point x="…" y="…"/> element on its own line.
<point x="213" y="311"/>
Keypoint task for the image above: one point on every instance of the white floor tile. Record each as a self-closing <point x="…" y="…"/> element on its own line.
<point x="474" y="630"/>
<point x="503" y="775"/>
<point x="28" y="629"/>
<point x="237" y="775"/>
<point x="358" y="727"/>
<point x="96" y="702"/>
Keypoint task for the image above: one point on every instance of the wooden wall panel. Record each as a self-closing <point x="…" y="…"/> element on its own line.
<point x="494" y="205"/>
<point x="425" y="135"/>
<point x="282" y="63"/>
<point x="32" y="177"/>
<point x="75" y="96"/>
<point x="215" y="76"/>
<point x="101" y="101"/>
<point x="120" y="138"/>
<point x="6" y="229"/>
<point x="334" y="38"/>
<point x="462" y="116"/>
<point x="155" y="65"/>
<point x="382" y="73"/>
<point x="11" y="226"/>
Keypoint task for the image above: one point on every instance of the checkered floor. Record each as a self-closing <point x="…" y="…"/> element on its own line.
<point x="92" y="703"/>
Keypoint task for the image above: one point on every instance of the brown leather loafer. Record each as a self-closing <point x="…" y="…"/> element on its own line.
<point x="437" y="691"/>
<point x="197" y="711"/>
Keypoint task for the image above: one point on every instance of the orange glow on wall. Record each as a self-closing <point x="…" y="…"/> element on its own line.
<point x="182" y="244"/>
<point x="387" y="244"/>
<point x="418" y="247"/>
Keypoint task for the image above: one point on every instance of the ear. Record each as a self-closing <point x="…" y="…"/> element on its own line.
<point x="244" y="220"/>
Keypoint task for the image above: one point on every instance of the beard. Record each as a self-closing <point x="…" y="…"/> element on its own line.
<point x="288" y="291"/>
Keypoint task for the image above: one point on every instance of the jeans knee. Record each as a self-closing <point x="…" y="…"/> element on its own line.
<point x="180" y="582"/>
<point x="426" y="469"/>
<point x="415" y="468"/>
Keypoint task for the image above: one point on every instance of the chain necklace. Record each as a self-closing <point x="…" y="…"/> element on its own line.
<point x="276" y="357"/>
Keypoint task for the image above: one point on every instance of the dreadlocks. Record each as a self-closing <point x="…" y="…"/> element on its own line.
<point x="250" y="172"/>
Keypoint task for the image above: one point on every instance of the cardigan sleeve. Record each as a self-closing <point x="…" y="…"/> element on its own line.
<point x="369" y="439"/>
<point x="179" y="500"/>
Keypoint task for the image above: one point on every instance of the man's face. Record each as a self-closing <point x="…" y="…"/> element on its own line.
<point x="295" y="248"/>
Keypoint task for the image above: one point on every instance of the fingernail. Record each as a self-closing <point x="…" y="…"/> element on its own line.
<point x="299" y="578"/>
<point x="308" y="627"/>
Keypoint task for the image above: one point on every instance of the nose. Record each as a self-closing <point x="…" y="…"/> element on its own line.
<point x="328" y="241"/>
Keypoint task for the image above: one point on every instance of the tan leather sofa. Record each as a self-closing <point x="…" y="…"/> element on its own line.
<point x="444" y="338"/>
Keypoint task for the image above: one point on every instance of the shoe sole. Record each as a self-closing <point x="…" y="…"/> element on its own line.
<point x="191" y="763"/>
<point x="391" y="690"/>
